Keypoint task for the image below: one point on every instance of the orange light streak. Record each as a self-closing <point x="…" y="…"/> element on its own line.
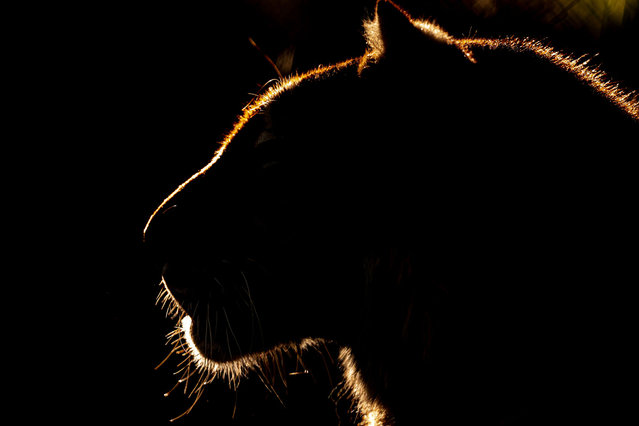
<point x="254" y="107"/>
<point x="627" y="100"/>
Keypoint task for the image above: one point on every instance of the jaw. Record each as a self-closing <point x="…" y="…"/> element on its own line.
<point x="206" y="360"/>
<point x="216" y="336"/>
<point x="216" y="362"/>
<point x="219" y="364"/>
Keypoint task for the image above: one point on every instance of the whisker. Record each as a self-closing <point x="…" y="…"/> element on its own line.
<point x="228" y="343"/>
<point x="255" y="318"/>
<point x="215" y="327"/>
<point x="207" y="328"/>
<point x="231" y="330"/>
<point x="165" y="359"/>
<point x="271" y="388"/>
<point x="197" y="398"/>
<point x="166" y="394"/>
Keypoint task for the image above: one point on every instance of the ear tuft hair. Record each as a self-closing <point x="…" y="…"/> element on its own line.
<point x="390" y="31"/>
<point x="373" y="37"/>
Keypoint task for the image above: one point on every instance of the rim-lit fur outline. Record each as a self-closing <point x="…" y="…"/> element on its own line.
<point x="626" y="100"/>
<point x="370" y="412"/>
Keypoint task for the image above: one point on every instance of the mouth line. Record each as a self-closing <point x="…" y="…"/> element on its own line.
<point x="371" y="411"/>
<point x="206" y="370"/>
<point x="234" y="369"/>
<point x="231" y="370"/>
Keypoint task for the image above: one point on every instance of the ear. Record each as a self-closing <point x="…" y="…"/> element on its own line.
<point x="395" y="29"/>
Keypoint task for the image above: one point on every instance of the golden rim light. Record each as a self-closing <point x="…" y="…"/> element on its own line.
<point x="369" y="410"/>
<point x="626" y="100"/>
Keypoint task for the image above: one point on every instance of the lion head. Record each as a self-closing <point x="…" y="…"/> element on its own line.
<point x="415" y="207"/>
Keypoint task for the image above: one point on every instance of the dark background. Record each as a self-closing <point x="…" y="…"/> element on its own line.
<point x="131" y="100"/>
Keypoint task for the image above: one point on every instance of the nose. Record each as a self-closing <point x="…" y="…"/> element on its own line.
<point x="165" y="233"/>
<point x="197" y="246"/>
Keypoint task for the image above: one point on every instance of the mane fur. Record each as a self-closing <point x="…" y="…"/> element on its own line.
<point x="626" y="100"/>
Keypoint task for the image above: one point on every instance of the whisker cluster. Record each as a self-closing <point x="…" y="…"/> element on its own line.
<point x="197" y="370"/>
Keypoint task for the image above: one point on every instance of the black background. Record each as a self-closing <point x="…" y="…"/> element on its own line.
<point x="125" y="101"/>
